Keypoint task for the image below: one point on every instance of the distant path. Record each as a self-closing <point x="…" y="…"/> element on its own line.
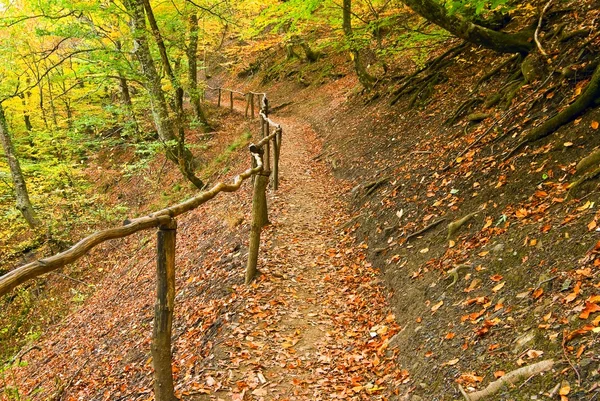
<point x="314" y="327"/>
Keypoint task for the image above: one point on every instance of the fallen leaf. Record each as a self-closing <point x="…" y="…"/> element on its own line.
<point x="589" y="308"/>
<point x="437" y="306"/>
<point x="594" y="124"/>
<point x="532" y="353"/>
<point x="499" y="373"/>
<point x="498" y="287"/>
<point x="565" y="388"/>
<point x="451" y="362"/>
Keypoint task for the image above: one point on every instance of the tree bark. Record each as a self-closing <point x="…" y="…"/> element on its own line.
<point x="192" y="51"/>
<point x="21" y="194"/>
<point x="164" y="125"/>
<point x="363" y="76"/>
<point x="162" y="50"/>
<point x="461" y="27"/>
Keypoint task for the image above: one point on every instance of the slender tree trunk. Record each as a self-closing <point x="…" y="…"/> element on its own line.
<point x="125" y="94"/>
<point x="192" y="51"/>
<point x="26" y="118"/>
<point x="459" y="26"/>
<point x="164" y="125"/>
<point x="42" y="108"/>
<point x="51" y="99"/>
<point x="363" y="76"/>
<point x="21" y="194"/>
<point x="162" y="50"/>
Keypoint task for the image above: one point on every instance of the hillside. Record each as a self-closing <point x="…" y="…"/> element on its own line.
<point x="436" y="229"/>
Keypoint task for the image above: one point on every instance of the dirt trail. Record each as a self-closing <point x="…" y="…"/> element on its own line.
<point x="316" y="325"/>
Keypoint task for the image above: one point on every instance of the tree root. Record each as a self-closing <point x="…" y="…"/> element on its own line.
<point x="372" y="186"/>
<point x="454" y="274"/>
<point x="414" y="82"/>
<point x="509" y="378"/>
<point x="463" y="109"/>
<point x="429" y="227"/>
<point x="586" y="177"/>
<point x="457" y="224"/>
<point x="589" y="98"/>
<point x="588" y="161"/>
<point x="496" y="70"/>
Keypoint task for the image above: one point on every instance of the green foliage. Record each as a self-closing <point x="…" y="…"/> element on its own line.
<point x="476" y="7"/>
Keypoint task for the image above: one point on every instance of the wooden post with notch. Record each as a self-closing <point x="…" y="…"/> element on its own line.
<point x="219" y="101"/>
<point x="267" y="157"/>
<point x="252" y="105"/>
<point x="231" y="100"/>
<point x="259" y="210"/>
<point x="163" y="313"/>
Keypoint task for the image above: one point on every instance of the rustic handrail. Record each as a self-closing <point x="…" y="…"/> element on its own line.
<point x="34" y="269"/>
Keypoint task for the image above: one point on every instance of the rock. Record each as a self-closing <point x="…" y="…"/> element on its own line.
<point x="498" y="248"/>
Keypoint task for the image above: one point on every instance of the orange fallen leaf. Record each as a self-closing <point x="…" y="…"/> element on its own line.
<point x="571" y="297"/>
<point x="594" y="124"/>
<point x="499" y="373"/>
<point x="589" y="308"/>
<point x="538" y="293"/>
<point x="496" y="277"/>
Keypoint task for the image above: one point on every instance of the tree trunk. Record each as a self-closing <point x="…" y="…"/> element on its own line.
<point x="192" y="51"/>
<point x="363" y="76"/>
<point x="162" y="50"/>
<point x="125" y="93"/>
<point x="21" y="194"/>
<point x="51" y="99"/>
<point x="26" y="117"/>
<point x="164" y="125"/>
<point x="461" y="27"/>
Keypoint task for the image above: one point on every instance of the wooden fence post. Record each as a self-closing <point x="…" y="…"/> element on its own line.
<point x="259" y="207"/>
<point x="252" y="104"/>
<point x="267" y="157"/>
<point x="276" y="152"/>
<point x="219" y="101"/>
<point x="247" y="104"/>
<point x="231" y="100"/>
<point x="163" y="313"/>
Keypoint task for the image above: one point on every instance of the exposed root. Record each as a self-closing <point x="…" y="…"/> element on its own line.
<point x="586" y="177"/>
<point x="509" y="378"/>
<point x="372" y="186"/>
<point x="454" y="274"/>
<point x="457" y="224"/>
<point x="429" y="227"/>
<point x="589" y="98"/>
<point x="463" y="109"/>
<point x="414" y="82"/>
<point x="588" y="161"/>
<point x="496" y="70"/>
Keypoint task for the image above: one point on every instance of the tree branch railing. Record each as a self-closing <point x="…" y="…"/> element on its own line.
<point x="164" y="220"/>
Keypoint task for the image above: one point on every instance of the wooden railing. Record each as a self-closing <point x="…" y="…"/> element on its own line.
<point x="164" y="219"/>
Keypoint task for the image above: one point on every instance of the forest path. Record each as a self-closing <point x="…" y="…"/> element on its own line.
<point x="316" y="323"/>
